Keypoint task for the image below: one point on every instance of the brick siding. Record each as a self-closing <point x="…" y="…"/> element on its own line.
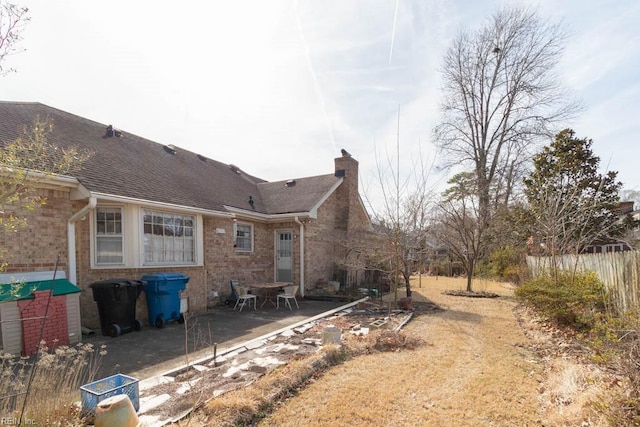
<point x="328" y="239"/>
<point x="341" y="226"/>
<point x="37" y="246"/>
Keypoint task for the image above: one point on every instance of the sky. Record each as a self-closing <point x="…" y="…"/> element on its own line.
<point x="278" y="87"/>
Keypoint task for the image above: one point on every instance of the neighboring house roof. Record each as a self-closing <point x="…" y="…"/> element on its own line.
<point x="134" y="167"/>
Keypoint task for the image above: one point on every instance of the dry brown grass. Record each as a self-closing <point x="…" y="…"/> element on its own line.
<point x="470" y="364"/>
<point x="240" y="407"/>
<point x="52" y="389"/>
<point x="475" y="370"/>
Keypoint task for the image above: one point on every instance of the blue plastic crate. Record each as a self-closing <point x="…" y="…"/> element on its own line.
<point x="95" y="392"/>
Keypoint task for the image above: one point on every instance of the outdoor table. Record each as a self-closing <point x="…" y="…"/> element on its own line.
<point x="269" y="290"/>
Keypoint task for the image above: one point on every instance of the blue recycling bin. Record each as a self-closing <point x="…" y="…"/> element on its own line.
<point x="163" y="297"/>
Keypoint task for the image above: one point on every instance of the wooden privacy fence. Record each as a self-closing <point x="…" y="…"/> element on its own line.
<point x="619" y="271"/>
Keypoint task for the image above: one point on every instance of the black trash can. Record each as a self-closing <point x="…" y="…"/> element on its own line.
<point x="116" y="299"/>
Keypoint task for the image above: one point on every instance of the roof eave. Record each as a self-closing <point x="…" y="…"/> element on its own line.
<point x="160" y="205"/>
<point x="324" y="198"/>
<point x="41" y="178"/>
<point x="264" y="217"/>
<point x="364" y="208"/>
<point x="52" y="181"/>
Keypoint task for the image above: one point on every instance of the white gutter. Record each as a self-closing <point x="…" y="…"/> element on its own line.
<point x="71" y="237"/>
<point x="41" y="177"/>
<point x="285" y="217"/>
<point x="161" y="205"/>
<point x="301" y="256"/>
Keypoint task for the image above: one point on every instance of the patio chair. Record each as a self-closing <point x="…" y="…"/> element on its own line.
<point x="233" y="297"/>
<point x="289" y="294"/>
<point x="243" y="296"/>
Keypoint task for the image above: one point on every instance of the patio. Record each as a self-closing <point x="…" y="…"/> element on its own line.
<point x="153" y="351"/>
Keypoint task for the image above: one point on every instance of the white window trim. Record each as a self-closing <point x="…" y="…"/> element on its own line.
<point x="94" y="238"/>
<point x="196" y="227"/>
<point x="133" y="238"/>
<point x="235" y="237"/>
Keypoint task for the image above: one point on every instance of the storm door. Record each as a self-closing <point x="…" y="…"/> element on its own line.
<point x="284" y="256"/>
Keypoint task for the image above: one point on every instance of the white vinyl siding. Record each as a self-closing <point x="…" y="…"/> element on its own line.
<point x="73" y="318"/>
<point x="11" y="327"/>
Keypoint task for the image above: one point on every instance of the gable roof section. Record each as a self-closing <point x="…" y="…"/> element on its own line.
<point x="131" y="167"/>
<point x="134" y="167"/>
<point x="299" y="195"/>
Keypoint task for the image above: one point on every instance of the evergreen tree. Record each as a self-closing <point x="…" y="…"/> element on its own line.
<point x="570" y="204"/>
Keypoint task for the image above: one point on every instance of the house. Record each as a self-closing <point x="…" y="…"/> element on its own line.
<point x="625" y="212"/>
<point x="137" y="207"/>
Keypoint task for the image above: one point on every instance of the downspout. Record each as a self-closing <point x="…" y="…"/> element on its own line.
<point x="301" y="256"/>
<point x="71" y="237"/>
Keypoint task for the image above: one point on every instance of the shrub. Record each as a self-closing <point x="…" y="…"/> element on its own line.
<point x="615" y="342"/>
<point x="505" y="264"/>
<point x="573" y="301"/>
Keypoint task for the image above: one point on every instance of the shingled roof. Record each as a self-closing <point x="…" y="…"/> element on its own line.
<point x="296" y="195"/>
<point x="134" y="167"/>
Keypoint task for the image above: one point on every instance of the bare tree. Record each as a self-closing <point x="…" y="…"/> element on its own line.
<point x="457" y="217"/>
<point x="13" y="19"/>
<point x="500" y="95"/>
<point x="633" y="235"/>
<point x="29" y="160"/>
<point x="25" y="164"/>
<point x="401" y="216"/>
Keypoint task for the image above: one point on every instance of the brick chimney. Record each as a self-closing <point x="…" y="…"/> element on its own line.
<point x="346" y="168"/>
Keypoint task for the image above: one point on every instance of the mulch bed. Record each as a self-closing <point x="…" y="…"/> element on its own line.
<point x="471" y="294"/>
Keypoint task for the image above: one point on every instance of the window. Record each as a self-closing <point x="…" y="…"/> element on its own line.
<point x="109" y="247"/>
<point x="168" y="238"/>
<point x="244" y="238"/>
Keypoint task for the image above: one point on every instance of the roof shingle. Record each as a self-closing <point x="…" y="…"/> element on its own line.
<point x="135" y="167"/>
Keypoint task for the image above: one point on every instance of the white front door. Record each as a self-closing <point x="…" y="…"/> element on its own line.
<point x="284" y="256"/>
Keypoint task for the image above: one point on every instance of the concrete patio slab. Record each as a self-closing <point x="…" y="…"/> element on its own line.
<point x="153" y="351"/>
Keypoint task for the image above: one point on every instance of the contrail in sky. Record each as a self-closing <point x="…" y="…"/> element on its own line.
<point x="316" y="85"/>
<point x="393" y="31"/>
